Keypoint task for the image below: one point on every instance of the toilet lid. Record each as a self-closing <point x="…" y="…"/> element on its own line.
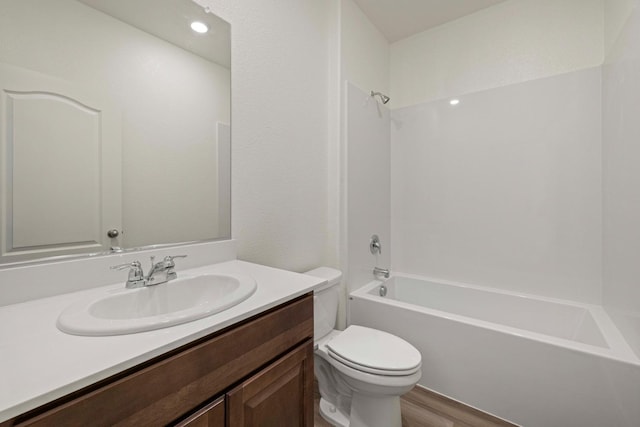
<point x="374" y="351"/>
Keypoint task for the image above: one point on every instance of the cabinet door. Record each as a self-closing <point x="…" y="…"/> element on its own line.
<point x="281" y="395"/>
<point x="211" y="415"/>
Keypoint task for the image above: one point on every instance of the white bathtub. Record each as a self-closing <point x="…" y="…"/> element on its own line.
<point x="530" y="360"/>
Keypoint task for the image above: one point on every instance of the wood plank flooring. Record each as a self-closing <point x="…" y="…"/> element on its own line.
<point x="424" y="408"/>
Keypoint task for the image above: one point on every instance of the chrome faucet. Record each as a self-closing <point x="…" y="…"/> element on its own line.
<point x="384" y="272"/>
<point x="160" y="272"/>
<point x="374" y="245"/>
<point x="136" y="277"/>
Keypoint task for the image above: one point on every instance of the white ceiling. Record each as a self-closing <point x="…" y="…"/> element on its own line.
<point x="397" y="19"/>
<point x="170" y="20"/>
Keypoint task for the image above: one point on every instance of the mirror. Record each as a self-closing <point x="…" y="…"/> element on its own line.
<point x="114" y="126"/>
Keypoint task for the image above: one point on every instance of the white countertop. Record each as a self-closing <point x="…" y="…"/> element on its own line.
<point x="39" y="363"/>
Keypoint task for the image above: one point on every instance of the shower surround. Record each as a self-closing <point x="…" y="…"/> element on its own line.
<point x="504" y="190"/>
<point x="528" y="185"/>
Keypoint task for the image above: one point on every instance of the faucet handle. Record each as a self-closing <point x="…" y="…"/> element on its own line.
<point x="169" y="266"/>
<point x="374" y="245"/>
<point x="132" y="265"/>
<point x="171" y="257"/>
<point x="135" y="271"/>
<point x="169" y="260"/>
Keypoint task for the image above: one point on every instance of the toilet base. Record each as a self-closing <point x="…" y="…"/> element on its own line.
<point x="332" y="415"/>
<point x="375" y="411"/>
<point x="366" y="411"/>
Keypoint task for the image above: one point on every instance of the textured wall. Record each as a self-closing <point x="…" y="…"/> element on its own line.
<point x="280" y="121"/>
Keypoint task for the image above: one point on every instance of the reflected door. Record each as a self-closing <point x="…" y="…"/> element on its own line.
<point x="61" y="167"/>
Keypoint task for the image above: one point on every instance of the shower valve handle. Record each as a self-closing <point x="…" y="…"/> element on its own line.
<point x="374" y="245"/>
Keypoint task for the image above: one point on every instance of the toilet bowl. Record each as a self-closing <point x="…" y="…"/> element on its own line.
<point x="361" y="372"/>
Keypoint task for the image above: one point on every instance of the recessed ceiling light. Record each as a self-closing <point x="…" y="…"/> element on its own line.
<point x="199" y="27"/>
<point x="454" y="102"/>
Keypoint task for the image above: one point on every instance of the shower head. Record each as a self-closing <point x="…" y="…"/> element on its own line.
<point x="384" y="98"/>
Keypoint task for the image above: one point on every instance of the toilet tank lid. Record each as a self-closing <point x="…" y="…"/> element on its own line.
<point x="331" y="275"/>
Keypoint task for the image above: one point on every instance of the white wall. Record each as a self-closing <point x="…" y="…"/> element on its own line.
<point x="616" y="13"/>
<point x="621" y="173"/>
<point x="280" y="103"/>
<point x="285" y="59"/>
<point x="511" y="42"/>
<point x="364" y="50"/>
<point x="364" y="155"/>
<point x="503" y="190"/>
<point x="368" y="185"/>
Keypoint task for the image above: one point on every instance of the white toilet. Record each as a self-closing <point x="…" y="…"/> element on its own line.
<point x="361" y="372"/>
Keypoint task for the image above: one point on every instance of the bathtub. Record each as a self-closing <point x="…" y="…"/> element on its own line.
<point x="530" y="360"/>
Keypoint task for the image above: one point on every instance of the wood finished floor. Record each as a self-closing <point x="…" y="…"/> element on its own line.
<point x="423" y="408"/>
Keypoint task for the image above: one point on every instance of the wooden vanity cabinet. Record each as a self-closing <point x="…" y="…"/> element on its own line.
<point x="276" y="396"/>
<point x="212" y="415"/>
<point x="256" y="373"/>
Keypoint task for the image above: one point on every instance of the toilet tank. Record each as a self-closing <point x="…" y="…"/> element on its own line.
<point x="325" y="301"/>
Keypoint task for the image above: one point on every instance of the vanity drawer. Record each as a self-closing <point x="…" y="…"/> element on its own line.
<point x="175" y="384"/>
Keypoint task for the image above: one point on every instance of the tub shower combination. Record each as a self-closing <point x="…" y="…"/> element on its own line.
<point x="533" y="361"/>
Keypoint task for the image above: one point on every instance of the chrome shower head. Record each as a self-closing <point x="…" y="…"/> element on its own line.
<point x="384" y="98"/>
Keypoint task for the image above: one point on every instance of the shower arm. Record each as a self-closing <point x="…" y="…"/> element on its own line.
<point x="383" y="98"/>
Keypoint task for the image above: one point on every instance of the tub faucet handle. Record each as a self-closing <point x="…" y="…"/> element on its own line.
<point x="374" y="245"/>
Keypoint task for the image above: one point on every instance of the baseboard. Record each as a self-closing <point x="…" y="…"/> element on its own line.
<point x="422" y="407"/>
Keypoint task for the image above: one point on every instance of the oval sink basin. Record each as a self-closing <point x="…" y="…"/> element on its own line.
<point x="125" y="311"/>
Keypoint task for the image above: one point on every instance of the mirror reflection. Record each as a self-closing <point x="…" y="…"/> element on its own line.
<point x="114" y="126"/>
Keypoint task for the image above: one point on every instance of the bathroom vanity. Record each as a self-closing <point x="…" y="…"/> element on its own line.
<point x="250" y="365"/>
<point x="254" y="374"/>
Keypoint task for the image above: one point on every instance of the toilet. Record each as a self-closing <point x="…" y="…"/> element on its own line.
<point x="361" y="372"/>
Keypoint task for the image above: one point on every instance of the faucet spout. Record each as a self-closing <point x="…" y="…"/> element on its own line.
<point x="384" y="272"/>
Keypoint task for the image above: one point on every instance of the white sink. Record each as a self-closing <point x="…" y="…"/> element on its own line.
<point x="125" y="311"/>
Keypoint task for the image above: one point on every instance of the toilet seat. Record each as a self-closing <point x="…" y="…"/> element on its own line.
<point x="374" y="352"/>
<point x="373" y="371"/>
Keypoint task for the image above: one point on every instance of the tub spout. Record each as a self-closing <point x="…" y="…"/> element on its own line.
<point x="384" y="272"/>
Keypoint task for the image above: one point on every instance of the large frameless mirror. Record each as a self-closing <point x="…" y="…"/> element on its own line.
<point x="114" y="126"/>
